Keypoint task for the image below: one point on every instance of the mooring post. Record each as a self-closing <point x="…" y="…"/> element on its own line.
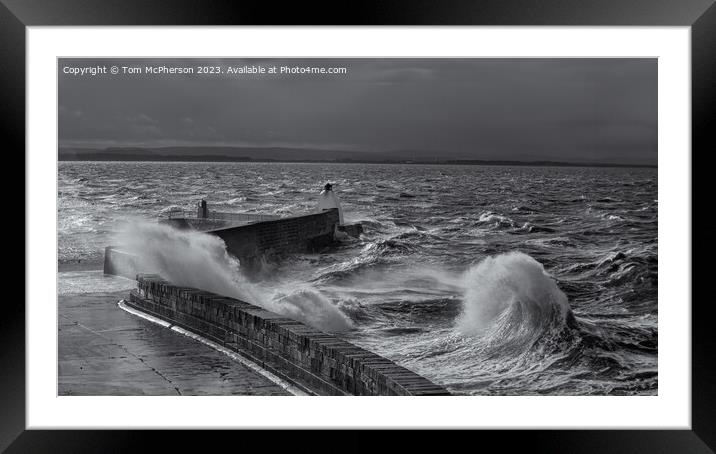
<point x="202" y="209"/>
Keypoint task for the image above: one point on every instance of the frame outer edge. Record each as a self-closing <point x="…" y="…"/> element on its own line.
<point x="12" y="320"/>
<point x="703" y="113"/>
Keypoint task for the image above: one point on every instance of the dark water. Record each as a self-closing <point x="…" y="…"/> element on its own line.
<point x="489" y="280"/>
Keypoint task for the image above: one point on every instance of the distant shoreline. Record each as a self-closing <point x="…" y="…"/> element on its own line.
<point x="129" y="158"/>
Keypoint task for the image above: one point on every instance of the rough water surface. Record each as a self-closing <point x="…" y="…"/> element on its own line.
<point x="489" y="280"/>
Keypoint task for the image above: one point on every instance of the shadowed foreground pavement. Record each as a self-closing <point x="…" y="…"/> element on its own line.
<point x="104" y="350"/>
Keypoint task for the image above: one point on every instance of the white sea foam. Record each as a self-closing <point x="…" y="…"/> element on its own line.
<point x="495" y="219"/>
<point x="489" y="216"/>
<point x="200" y="260"/>
<point x="510" y="295"/>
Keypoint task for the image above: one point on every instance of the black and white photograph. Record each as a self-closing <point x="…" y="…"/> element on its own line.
<point x="357" y="226"/>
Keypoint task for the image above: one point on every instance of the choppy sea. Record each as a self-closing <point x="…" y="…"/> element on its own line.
<point x="489" y="280"/>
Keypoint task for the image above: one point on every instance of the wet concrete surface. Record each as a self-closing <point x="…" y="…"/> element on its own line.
<point x="104" y="350"/>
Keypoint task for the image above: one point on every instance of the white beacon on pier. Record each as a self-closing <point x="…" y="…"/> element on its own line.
<point x="328" y="200"/>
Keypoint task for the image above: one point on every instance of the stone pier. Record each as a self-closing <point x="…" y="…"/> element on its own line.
<point x="106" y="351"/>
<point x="317" y="362"/>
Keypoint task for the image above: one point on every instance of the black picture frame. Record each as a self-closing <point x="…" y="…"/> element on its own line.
<point x="700" y="15"/>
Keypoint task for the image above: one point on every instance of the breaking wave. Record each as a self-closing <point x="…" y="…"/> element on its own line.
<point x="510" y="298"/>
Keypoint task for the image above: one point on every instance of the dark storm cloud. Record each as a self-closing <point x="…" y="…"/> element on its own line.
<point x="559" y="109"/>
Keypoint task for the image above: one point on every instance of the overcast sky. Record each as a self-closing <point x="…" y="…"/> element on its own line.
<point x="558" y="109"/>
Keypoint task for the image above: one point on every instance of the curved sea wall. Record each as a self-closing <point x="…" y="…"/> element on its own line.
<point x="317" y="362"/>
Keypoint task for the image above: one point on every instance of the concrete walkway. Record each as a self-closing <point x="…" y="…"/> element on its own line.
<point x="103" y="350"/>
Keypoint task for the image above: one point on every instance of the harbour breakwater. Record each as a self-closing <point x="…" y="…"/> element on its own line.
<point x="267" y="239"/>
<point x="314" y="361"/>
<point x="317" y="362"/>
<point x="252" y="243"/>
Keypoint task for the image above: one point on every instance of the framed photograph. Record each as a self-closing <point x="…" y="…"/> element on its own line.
<point x="454" y="216"/>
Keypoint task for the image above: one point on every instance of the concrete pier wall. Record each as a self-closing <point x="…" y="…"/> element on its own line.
<point x="318" y="362"/>
<point x="203" y="225"/>
<point x="251" y="243"/>
<point x="121" y="263"/>
<point x="267" y="238"/>
<point x="263" y="240"/>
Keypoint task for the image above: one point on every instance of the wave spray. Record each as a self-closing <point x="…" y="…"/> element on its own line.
<point x="510" y="297"/>
<point x="200" y="260"/>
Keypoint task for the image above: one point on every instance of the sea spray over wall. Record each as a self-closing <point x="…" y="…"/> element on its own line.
<point x="186" y="258"/>
<point x="510" y="297"/>
<point x="196" y="259"/>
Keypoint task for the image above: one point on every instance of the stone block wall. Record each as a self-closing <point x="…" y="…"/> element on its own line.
<point x="318" y="362"/>
<point x="295" y="234"/>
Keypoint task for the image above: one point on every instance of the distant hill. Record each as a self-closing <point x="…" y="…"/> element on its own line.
<point x="257" y="154"/>
<point x="206" y="154"/>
